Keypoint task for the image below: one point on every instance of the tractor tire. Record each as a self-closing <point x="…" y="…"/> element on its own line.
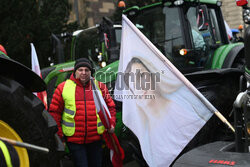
<point x="220" y="89"/>
<point x="23" y="118"/>
<point x="239" y="62"/>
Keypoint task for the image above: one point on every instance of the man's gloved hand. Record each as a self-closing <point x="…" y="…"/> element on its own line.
<point x="112" y="129"/>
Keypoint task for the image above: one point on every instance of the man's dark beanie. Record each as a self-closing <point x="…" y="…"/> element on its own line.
<point x="83" y="62"/>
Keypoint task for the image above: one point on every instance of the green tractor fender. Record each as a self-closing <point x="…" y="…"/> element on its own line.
<point x="228" y="56"/>
<point x="108" y="73"/>
<point x="51" y="72"/>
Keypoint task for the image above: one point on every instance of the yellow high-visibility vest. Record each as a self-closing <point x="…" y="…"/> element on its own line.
<point x="68" y="121"/>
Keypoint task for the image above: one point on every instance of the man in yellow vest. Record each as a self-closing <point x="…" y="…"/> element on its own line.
<point x="73" y="108"/>
<point x="8" y="155"/>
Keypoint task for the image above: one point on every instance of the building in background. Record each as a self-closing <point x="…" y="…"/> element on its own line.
<point x="90" y="12"/>
<point x="78" y="12"/>
<point x="232" y="13"/>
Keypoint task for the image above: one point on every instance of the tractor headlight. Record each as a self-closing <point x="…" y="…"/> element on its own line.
<point x="183" y="52"/>
<point x="103" y="64"/>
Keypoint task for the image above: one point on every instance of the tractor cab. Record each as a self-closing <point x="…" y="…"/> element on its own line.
<point x="186" y="32"/>
<point x="100" y="43"/>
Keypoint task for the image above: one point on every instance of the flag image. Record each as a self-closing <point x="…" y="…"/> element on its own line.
<point x="160" y="106"/>
<point x="116" y="151"/>
<point x="36" y="68"/>
<point x="229" y="31"/>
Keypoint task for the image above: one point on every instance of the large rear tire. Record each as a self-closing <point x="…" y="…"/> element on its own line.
<point x="23" y="118"/>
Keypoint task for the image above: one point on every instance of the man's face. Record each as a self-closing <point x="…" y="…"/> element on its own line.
<point x="83" y="74"/>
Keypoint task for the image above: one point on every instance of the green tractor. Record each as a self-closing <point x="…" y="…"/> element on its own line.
<point x="235" y="152"/>
<point x="100" y="44"/>
<point x="213" y="64"/>
<point x="190" y="33"/>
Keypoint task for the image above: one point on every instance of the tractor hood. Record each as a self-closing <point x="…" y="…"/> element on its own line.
<point x="20" y="73"/>
<point x="108" y="73"/>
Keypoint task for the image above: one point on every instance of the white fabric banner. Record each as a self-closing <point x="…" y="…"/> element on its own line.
<point x="229" y="31"/>
<point x="36" y="68"/>
<point x="34" y="61"/>
<point x="159" y="105"/>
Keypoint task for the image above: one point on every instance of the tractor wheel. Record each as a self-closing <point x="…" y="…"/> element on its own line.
<point x="220" y="89"/>
<point x="23" y="118"/>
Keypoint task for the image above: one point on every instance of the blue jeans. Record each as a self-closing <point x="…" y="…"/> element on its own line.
<point x="85" y="155"/>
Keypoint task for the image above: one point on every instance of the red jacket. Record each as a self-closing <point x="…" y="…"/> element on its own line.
<point x="85" y="117"/>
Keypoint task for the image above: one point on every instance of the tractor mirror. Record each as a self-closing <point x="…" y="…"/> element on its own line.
<point x="202" y="17"/>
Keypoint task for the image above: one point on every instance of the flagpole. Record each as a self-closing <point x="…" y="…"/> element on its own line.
<point x="98" y="99"/>
<point x="25" y="145"/>
<point x="113" y="141"/>
<point x="178" y="74"/>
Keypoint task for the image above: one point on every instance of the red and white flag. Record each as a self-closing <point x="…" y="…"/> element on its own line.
<point x="36" y="68"/>
<point x="229" y="31"/>
<point x="116" y="151"/>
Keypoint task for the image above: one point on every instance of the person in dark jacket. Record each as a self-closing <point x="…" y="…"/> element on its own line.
<point x="73" y="108"/>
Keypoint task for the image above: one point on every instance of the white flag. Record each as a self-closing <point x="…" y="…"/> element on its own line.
<point x="229" y="31"/>
<point x="36" y="68"/>
<point x="34" y="61"/>
<point x="161" y="107"/>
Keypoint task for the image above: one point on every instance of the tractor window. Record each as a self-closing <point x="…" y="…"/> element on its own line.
<point x="118" y="34"/>
<point x="214" y="26"/>
<point x="202" y="39"/>
<point x="151" y="25"/>
<point x="87" y="44"/>
<point x="198" y="41"/>
<point x="211" y="35"/>
<point x="162" y="26"/>
<point x="173" y="36"/>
